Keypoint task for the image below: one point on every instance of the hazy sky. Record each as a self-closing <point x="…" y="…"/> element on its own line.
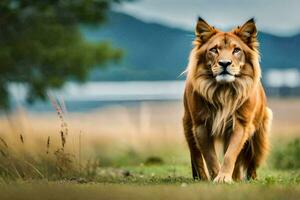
<point x="281" y="17"/>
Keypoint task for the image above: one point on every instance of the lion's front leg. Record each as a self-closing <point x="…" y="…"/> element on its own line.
<point x="206" y="144"/>
<point x="235" y="145"/>
<point x="197" y="163"/>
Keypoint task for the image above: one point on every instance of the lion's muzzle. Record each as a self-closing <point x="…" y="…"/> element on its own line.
<point x="225" y="76"/>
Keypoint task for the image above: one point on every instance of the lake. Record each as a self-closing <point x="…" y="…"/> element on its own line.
<point x="93" y="95"/>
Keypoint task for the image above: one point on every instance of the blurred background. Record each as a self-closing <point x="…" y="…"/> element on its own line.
<point x="100" y="81"/>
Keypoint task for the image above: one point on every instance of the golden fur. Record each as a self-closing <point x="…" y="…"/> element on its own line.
<point x="224" y="99"/>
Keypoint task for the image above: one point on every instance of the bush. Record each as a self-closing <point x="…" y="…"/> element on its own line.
<point x="288" y="157"/>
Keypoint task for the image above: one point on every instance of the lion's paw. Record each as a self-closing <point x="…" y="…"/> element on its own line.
<point x="223" y="178"/>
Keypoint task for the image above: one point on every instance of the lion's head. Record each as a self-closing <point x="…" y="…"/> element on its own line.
<point x="224" y="60"/>
<point x="224" y="67"/>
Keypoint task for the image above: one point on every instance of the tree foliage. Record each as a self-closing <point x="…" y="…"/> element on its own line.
<point x="42" y="47"/>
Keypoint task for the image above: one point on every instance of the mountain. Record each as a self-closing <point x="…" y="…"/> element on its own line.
<point x="157" y="52"/>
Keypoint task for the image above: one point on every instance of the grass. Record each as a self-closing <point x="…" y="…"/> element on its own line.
<point x="156" y="182"/>
<point x="130" y="153"/>
<point x="104" y="191"/>
<point x="180" y="175"/>
<point x="287" y="156"/>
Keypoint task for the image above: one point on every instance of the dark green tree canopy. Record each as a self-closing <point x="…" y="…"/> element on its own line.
<point x="42" y="47"/>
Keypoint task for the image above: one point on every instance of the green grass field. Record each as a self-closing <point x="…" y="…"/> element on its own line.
<point x="136" y="153"/>
<point x="155" y="182"/>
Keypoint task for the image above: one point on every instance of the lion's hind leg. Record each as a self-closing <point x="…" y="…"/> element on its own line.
<point x="259" y="145"/>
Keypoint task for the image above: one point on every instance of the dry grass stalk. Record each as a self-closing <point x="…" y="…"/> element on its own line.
<point x="63" y="105"/>
<point x="48" y="145"/>
<point x="21" y="138"/>
<point x="60" y="109"/>
<point x="3" y="153"/>
<point x="79" y="151"/>
<point x="3" y="142"/>
<point x="63" y="139"/>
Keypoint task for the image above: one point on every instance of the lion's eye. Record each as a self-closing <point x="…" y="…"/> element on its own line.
<point x="214" y="50"/>
<point x="236" y="50"/>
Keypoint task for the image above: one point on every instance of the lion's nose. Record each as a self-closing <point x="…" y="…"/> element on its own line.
<point x="224" y="63"/>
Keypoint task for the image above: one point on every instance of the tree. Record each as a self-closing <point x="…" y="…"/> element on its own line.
<point x="42" y="47"/>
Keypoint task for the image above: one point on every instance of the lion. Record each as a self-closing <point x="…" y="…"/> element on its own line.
<point x="224" y="100"/>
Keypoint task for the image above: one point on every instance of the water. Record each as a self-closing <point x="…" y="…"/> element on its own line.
<point x="95" y="95"/>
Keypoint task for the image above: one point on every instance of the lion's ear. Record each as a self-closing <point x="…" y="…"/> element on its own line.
<point x="247" y="33"/>
<point x="204" y="31"/>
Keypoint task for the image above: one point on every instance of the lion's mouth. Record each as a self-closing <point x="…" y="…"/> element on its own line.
<point x="225" y="77"/>
<point x="225" y="72"/>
